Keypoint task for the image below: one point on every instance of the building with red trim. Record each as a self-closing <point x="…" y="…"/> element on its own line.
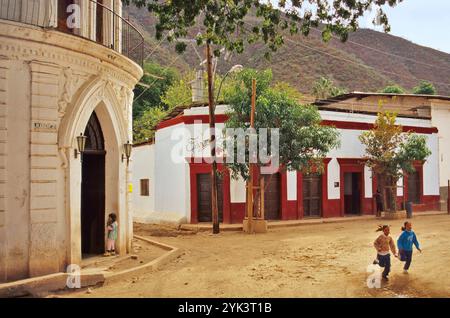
<point x="179" y="190"/>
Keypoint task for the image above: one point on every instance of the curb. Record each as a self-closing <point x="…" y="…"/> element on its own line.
<point x="294" y="223"/>
<point x="43" y="285"/>
<point x="173" y="252"/>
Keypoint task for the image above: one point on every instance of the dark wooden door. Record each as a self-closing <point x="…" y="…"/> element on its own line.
<point x="272" y="196"/>
<point x="312" y="196"/>
<point x="204" y="197"/>
<point x="93" y="204"/>
<point x="93" y="190"/>
<point x="414" y="187"/>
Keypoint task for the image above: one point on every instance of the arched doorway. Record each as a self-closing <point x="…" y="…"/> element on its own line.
<point x="93" y="190"/>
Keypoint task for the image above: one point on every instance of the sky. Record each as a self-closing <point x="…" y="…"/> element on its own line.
<point x="424" y="22"/>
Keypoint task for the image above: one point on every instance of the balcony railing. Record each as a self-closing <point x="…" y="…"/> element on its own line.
<point x="89" y="19"/>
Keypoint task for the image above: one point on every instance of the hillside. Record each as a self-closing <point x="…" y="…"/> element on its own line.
<point x="368" y="61"/>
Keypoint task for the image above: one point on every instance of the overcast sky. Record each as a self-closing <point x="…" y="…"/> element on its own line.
<point x="425" y="22"/>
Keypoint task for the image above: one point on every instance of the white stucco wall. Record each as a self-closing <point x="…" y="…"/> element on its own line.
<point x="172" y="184"/>
<point x="431" y="167"/>
<point x="440" y="113"/>
<point x="171" y="179"/>
<point x="143" y="165"/>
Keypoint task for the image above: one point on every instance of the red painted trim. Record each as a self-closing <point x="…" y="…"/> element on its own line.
<point x="418" y="165"/>
<point x="351" y="165"/>
<point x="300" y="211"/>
<point x="196" y="168"/>
<point x="325" y="203"/>
<point x="221" y="118"/>
<point x="368" y="126"/>
<point x="284" y="201"/>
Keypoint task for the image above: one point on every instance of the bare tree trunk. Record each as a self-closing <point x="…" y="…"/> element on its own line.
<point x="383" y="193"/>
<point x="393" y="189"/>
<point x="212" y="142"/>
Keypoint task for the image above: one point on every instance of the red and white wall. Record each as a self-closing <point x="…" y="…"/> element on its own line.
<point x="174" y="190"/>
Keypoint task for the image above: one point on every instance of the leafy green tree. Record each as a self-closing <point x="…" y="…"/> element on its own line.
<point x="393" y="89"/>
<point x="224" y="24"/>
<point x="179" y="93"/>
<point x="303" y="142"/>
<point x="325" y="88"/>
<point x="390" y="153"/>
<point x="144" y="126"/>
<point x="159" y="79"/>
<point x="425" y="88"/>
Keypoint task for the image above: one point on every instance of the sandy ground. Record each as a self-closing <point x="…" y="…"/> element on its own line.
<point x="323" y="260"/>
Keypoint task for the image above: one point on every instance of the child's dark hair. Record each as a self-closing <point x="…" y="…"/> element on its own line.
<point x="381" y="227"/>
<point x="113" y="217"/>
<point x="404" y="225"/>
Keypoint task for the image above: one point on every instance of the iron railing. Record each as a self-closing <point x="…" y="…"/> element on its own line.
<point x="109" y="29"/>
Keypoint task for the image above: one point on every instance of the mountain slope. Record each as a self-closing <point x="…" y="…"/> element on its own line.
<point x="368" y="61"/>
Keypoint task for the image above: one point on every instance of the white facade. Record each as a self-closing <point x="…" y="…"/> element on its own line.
<point x="171" y="176"/>
<point x="51" y="83"/>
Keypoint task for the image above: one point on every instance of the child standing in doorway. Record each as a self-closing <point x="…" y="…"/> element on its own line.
<point x="405" y="245"/>
<point x="111" y="228"/>
<point x="382" y="244"/>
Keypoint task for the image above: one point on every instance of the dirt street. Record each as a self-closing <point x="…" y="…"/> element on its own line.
<point x="323" y="260"/>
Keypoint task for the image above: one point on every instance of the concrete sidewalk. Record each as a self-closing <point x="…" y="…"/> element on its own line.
<point x="207" y="226"/>
<point x="94" y="271"/>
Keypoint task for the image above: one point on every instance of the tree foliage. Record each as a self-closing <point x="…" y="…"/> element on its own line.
<point x="390" y="152"/>
<point x="324" y="88"/>
<point x="159" y="78"/>
<point x="393" y="89"/>
<point x="425" y="88"/>
<point x="303" y="142"/>
<point x="224" y="25"/>
<point x="144" y="126"/>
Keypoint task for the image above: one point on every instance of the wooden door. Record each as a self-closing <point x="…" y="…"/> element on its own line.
<point x="272" y="196"/>
<point x="204" y="197"/>
<point x="312" y="196"/>
<point x="414" y="187"/>
<point x="93" y="190"/>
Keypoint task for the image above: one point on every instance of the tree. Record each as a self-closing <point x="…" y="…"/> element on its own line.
<point x="159" y="79"/>
<point x="390" y="153"/>
<point x="144" y="126"/>
<point x="324" y="88"/>
<point x="425" y="88"/>
<point x="393" y="89"/>
<point x="223" y="26"/>
<point x="303" y="141"/>
<point x="224" y="22"/>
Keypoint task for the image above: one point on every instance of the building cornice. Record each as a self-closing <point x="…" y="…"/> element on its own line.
<point x="20" y="41"/>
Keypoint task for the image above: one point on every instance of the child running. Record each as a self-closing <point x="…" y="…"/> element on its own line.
<point x="405" y="243"/>
<point x="382" y="244"/>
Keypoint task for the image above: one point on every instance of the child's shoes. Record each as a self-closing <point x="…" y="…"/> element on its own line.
<point x="107" y="253"/>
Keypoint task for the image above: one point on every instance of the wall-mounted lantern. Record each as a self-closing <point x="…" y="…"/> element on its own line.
<point x="81" y="142"/>
<point x="127" y="151"/>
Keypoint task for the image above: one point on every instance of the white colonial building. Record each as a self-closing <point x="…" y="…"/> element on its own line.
<point x="67" y="68"/>
<point x="180" y="190"/>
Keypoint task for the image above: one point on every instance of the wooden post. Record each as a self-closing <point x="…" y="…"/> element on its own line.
<point x="251" y="165"/>
<point x="261" y="191"/>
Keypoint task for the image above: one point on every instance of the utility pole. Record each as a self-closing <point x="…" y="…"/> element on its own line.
<point x="250" y="207"/>
<point x="212" y="141"/>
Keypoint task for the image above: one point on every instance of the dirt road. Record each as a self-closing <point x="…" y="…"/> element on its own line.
<point x="323" y="260"/>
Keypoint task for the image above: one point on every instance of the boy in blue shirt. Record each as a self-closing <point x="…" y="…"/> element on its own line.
<point x="405" y="243"/>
